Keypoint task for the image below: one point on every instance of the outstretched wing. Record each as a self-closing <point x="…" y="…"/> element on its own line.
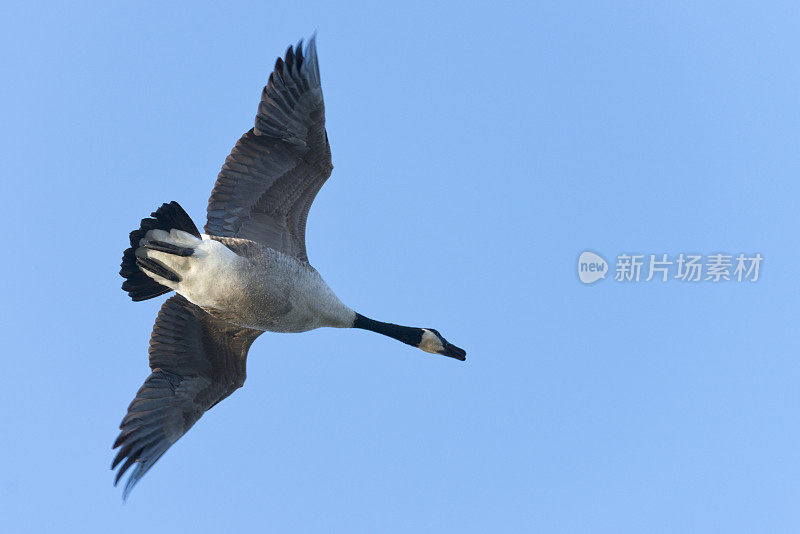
<point x="197" y="361"/>
<point x="271" y="177"/>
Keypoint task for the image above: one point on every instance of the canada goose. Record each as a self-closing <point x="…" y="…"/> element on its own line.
<point x="248" y="273"/>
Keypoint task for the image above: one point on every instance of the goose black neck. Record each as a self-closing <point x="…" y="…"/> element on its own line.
<point x="406" y="334"/>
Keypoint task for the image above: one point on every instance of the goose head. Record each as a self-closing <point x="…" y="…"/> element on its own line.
<point x="426" y="339"/>
<point x="432" y="341"/>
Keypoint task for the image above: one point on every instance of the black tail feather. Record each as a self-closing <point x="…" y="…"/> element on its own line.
<point x="137" y="284"/>
<point x="158" y="269"/>
<point x="169" y="248"/>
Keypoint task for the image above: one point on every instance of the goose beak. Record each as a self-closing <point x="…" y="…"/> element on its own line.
<point x="453" y="351"/>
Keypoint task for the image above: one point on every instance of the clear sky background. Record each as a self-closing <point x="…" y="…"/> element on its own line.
<point x="478" y="149"/>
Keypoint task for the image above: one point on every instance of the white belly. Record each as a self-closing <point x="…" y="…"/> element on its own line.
<point x="271" y="292"/>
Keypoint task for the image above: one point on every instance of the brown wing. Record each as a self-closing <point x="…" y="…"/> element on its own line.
<point x="197" y="361"/>
<point x="272" y="175"/>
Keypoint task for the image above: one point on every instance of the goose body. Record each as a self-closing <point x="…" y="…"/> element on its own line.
<point x="248" y="273"/>
<point x="248" y="284"/>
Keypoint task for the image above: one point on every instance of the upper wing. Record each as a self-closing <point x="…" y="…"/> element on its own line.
<point x="271" y="177"/>
<point x="197" y="361"/>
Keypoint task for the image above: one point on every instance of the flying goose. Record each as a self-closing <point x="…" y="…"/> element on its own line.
<point x="247" y="274"/>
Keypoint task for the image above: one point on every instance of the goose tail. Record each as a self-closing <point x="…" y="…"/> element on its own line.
<point x="167" y="218"/>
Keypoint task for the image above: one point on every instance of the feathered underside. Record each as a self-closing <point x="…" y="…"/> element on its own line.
<point x="196" y="361"/>
<point x="268" y="182"/>
<point x="263" y="193"/>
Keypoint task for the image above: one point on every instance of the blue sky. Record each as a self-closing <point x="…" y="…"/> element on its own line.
<point x="478" y="150"/>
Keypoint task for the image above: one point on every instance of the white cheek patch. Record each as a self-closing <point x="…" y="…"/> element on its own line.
<point x="430" y="342"/>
